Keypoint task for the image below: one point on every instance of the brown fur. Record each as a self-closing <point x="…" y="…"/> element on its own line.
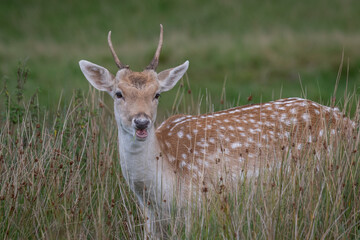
<point x="139" y="80"/>
<point x="243" y="138"/>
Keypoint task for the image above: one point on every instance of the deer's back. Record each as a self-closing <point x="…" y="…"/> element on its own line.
<point x="245" y="137"/>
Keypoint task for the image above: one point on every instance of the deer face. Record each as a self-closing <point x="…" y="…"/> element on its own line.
<point x="136" y="94"/>
<point x="136" y="98"/>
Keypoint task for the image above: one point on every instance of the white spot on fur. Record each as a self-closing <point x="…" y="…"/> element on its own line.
<point x="287" y="123"/>
<point x="202" y="151"/>
<point x="188" y="136"/>
<point x="180" y="134"/>
<point x="182" y="164"/>
<point x="240" y="128"/>
<point x="303" y="103"/>
<point x="268" y="124"/>
<point x="314" y="104"/>
<point x="171" y="158"/>
<point x="235" y="145"/>
<point x="279" y="102"/>
<point x="293" y="110"/>
<point x="306" y="117"/>
<point x="252" y="131"/>
<point x="283" y="117"/>
<point x="249" y="108"/>
<point x="202" y="144"/>
<point x="179" y="119"/>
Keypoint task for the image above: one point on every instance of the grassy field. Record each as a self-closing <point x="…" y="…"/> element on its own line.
<point x="261" y="48"/>
<point x="60" y="176"/>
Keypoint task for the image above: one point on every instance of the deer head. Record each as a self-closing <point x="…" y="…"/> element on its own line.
<point x="135" y="94"/>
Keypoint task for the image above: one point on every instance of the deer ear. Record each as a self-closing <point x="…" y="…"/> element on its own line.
<point x="98" y="76"/>
<point x="168" y="78"/>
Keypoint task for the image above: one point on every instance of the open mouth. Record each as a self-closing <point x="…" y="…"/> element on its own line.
<point x="141" y="133"/>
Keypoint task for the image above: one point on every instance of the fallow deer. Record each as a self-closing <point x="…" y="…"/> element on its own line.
<point x="188" y="154"/>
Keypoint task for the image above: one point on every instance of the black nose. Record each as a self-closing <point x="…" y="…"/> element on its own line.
<point x="141" y="123"/>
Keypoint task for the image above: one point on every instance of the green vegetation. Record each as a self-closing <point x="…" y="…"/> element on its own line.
<point x="59" y="170"/>
<point x="261" y="48"/>
<point x="60" y="178"/>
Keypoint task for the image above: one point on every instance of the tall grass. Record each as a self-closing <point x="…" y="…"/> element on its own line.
<point x="60" y="178"/>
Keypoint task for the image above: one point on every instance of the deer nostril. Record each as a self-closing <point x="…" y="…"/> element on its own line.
<point x="141" y="123"/>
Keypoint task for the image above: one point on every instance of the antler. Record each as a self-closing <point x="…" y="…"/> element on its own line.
<point x="154" y="63"/>
<point x="117" y="60"/>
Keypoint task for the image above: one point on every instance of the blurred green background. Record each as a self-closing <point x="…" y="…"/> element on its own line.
<point x="261" y="48"/>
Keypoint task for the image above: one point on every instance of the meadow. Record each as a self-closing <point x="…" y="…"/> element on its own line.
<point x="60" y="176"/>
<point x="262" y="49"/>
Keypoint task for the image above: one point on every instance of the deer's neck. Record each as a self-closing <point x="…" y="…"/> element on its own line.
<point x="137" y="158"/>
<point x="142" y="167"/>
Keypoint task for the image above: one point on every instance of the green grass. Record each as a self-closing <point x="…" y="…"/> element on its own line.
<point x="60" y="178"/>
<point x="59" y="169"/>
<point x="261" y="48"/>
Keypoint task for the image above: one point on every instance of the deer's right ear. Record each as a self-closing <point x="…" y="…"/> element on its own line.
<point x="98" y="76"/>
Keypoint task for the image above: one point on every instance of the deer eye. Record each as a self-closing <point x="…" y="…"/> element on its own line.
<point x="118" y="95"/>
<point x="157" y="96"/>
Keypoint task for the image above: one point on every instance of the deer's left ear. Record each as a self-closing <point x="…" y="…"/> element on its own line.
<point x="168" y="78"/>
